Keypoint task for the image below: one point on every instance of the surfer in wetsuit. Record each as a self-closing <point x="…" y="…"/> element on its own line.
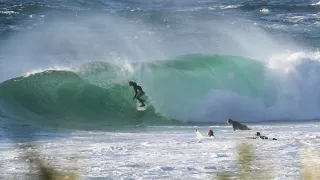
<point x="210" y="133"/>
<point x="237" y="126"/>
<point x="138" y="92"/>
<point x="261" y="137"/>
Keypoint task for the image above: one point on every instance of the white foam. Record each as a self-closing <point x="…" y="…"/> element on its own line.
<point x="229" y="6"/>
<point x="126" y="67"/>
<point x="264" y="11"/>
<point x="8" y="12"/>
<point x="167" y="153"/>
<point x="288" y="60"/>
<point x="297" y="17"/>
<point x="40" y="70"/>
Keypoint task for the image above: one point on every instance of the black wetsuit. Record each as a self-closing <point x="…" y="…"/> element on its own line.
<point x="138" y="93"/>
<point x="258" y="135"/>
<point x="238" y="126"/>
<point x="264" y="137"/>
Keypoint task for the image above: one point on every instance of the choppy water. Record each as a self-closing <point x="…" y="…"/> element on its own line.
<point x="173" y="152"/>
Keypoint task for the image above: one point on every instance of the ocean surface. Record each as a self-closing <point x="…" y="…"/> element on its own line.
<point x="65" y="67"/>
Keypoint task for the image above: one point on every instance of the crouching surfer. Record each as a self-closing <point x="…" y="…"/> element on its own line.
<point x="237" y="126"/>
<point x="138" y="92"/>
<point x="258" y="135"/>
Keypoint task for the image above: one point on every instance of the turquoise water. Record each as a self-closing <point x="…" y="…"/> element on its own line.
<point x="97" y="94"/>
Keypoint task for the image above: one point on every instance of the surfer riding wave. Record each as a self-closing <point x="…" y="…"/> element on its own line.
<point x="138" y="92"/>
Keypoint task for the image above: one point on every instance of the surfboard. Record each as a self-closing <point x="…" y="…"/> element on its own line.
<point x="198" y="134"/>
<point x="140" y="108"/>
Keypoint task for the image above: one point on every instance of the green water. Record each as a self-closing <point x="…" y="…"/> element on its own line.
<point x="97" y="94"/>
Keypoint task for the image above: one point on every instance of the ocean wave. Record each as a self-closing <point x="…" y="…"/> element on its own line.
<point x="188" y="88"/>
<point x="97" y="93"/>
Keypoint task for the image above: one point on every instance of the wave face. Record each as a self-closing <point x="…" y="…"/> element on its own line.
<point x="63" y="98"/>
<point x="97" y="93"/>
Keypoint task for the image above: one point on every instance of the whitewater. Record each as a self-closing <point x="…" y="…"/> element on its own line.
<point x="65" y="68"/>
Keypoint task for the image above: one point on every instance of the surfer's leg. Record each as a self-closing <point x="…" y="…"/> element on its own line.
<point x="141" y="101"/>
<point x="139" y="98"/>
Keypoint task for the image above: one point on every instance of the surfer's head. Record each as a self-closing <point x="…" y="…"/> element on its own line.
<point x="258" y="134"/>
<point x="131" y="83"/>
<point x="229" y="121"/>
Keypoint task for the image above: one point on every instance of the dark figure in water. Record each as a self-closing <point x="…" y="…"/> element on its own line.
<point x="262" y="137"/>
<point x="138" y="92"/>
<point x="210" y="133"/>
<point x="237" y="126"/>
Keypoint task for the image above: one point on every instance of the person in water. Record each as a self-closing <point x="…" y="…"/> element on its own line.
<point x="237" y="126"/>
<point x="258" y="135"/>
<point x="210" y="133"/>
<point x="138" y="92"/>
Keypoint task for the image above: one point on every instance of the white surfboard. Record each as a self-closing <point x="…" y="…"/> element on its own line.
<point x="199" y="135"/>
<point x="140" y="108"/>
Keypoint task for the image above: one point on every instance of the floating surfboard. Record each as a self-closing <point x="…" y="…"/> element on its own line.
<point x="140" y="108"/>
<point x="199" y="135"/>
